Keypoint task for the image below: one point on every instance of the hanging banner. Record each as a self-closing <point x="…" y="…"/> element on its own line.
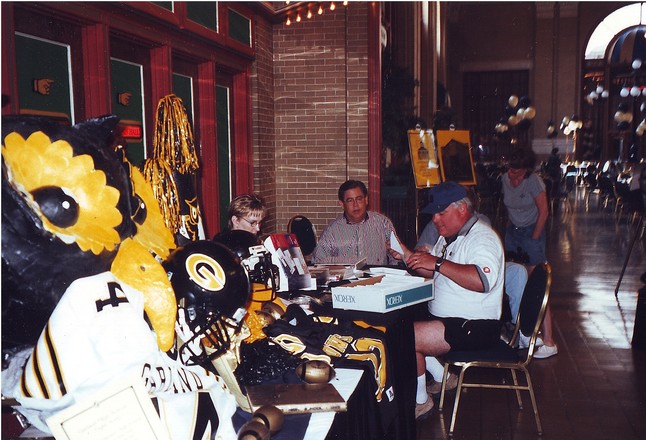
<point x="424" y="160"/>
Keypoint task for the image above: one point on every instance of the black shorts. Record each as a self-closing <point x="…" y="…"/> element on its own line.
<point x="471" y="334"/>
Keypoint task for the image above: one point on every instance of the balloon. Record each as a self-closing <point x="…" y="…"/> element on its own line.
<point x="622" y="107"/>
<point x="637" y="64"/>
<point x="524" y="101"/>
<point x="530" y="112"/>
<point x="628" y="117"/>
<point x="509" y="111"/>
<point x="520" y="113"/>
<point x="567" y="131"/>
<point x="599" y="90"/>
<point x="513" y="120"/>
<point x="635" y="92"/>
<point x="642" y="107"/>
<point x="624" y="92"/>
<point x="605" y="94"/>
<point x="619" y="116"/>
<point x="551" y="130"/>
<point x="623" y="125"/>
<point x="513" y="101"/>
<point x="524" y="124"/>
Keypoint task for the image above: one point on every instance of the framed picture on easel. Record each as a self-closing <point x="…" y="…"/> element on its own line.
<point x="424" y="158"/>
<point x="456" y="161"/>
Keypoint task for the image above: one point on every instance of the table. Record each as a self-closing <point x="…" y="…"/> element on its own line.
<point x="400" y="341"/>
<point x="358" y="421"/>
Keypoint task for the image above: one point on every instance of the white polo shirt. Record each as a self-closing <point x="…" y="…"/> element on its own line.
<point x="479" y="245"/>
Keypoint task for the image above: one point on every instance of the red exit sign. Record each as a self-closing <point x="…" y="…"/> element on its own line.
<point x="132" y="131"/>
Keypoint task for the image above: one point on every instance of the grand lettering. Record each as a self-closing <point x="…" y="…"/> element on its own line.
<point x="166" y="378"/>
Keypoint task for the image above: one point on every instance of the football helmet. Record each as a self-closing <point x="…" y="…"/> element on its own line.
<point x="212" y="288"/>
<point x="256" y="259"/>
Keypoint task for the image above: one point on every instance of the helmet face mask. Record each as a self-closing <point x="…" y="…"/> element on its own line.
<point x="212" y="288"/>
<point x="264" y="276"/>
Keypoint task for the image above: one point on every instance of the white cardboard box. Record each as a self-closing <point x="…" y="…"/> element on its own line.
<point x="383" y="293"/>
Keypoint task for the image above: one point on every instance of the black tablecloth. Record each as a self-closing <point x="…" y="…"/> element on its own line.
<point x="361" y="419"/>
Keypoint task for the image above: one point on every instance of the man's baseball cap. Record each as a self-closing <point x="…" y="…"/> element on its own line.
<point x="442" y="195"/>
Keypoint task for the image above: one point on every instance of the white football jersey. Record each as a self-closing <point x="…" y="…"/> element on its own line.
<point x="98" y="333"/>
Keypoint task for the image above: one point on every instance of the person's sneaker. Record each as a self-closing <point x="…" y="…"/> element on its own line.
<point x="423" y="410"/>
<point x="436" y="387"/>
<point x="523" y="341"/>
<point x="545" y="351"/>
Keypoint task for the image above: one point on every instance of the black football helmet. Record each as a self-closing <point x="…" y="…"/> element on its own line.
<point x="256" y="259"/>
<point x="212" y="288"/>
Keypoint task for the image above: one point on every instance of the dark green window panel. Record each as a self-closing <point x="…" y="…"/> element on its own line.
<point x="183" y="89"/>
<point x="127" y="103"/>
<point x="44" y="81"/>
<point x="165" y="5"/>
<point x="224" y="150"/>
<point x="204" y="13"/>
<point x="239" y="27"/>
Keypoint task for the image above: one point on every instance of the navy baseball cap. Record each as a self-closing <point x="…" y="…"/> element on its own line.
<point x="442" y="195"/>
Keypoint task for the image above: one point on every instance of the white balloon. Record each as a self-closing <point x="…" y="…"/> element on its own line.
<point x="567" y="131"/>
<point x="635" y="92"/>
<point x="593" y="95"/>
<point x="637" y="64"/>
<point x="513" y="101"/>
<point x="530" y="112"/>
<point x="520" y="113"/>
<point x="624" y="92"/>
<point x="605" y="94"/>
<point x="599" y="90"/>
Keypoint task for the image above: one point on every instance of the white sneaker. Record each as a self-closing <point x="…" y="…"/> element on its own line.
<point x="545" y="351"/>
<point x="523" y="341"/>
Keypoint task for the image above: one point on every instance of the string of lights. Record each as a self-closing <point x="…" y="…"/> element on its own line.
<point x="309" y="10"/>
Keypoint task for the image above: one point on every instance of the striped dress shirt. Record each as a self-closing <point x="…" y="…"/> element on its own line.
<point x="346" y="243"/>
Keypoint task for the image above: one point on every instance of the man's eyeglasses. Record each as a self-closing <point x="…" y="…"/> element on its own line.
<point x="358" y="199"/>
<point x="254" y="223"/>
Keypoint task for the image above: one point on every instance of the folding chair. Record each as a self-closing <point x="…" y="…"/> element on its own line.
<point x="305" y="233"/>
<point x="503" y="355"/>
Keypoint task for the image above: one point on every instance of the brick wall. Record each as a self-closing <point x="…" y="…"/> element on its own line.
<point x="320" y="111"/>
<point x="263" y="136"/>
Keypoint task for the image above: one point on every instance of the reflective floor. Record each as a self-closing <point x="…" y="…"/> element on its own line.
<point x="595" y="388"/>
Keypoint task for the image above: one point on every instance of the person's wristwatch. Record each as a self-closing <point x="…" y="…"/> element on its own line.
<point x="438" y="264"/>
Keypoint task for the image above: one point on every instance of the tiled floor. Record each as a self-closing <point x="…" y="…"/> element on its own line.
<point x="595" y="388"/>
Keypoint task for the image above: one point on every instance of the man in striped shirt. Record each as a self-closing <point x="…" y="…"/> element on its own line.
<point x="357" y="233"/>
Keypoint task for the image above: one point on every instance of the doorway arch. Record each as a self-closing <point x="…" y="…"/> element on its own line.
<point x="613" y="87"/>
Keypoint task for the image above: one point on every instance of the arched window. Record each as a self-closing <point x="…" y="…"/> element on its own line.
<point x="613" y="82"/>
<point x="622" y="18"/>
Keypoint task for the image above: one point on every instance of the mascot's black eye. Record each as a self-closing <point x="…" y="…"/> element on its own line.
<point x="58" y="207"/>
<point x="139" y="210"/>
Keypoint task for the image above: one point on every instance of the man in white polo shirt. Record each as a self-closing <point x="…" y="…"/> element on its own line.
<point x="468" y="266"/>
